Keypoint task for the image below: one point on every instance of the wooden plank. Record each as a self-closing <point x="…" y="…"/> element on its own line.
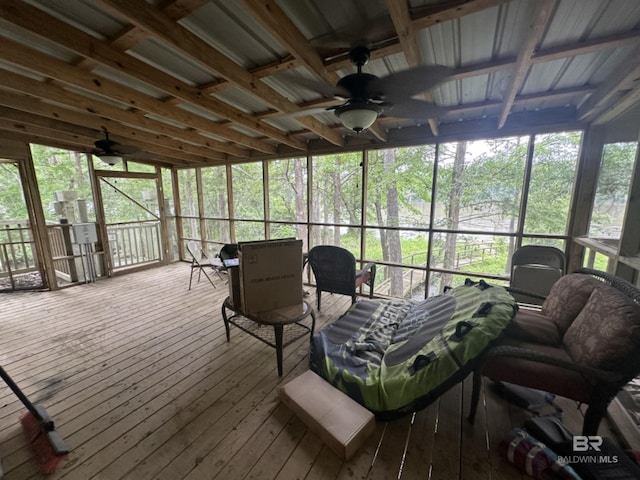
<point x="498" y="425"/>
<point x="361" y="464"/>
<point x="418" y="453"/>
<point x="476" y="464"/>
<point x="446" y="451"/>
<point x="141" y="382"/>
<point x="386" y="464"/>
<point x="326" y="466"/>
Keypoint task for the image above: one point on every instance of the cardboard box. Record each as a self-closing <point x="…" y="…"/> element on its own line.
<point x="270" y="274"/>
<point x="341" y="422"/>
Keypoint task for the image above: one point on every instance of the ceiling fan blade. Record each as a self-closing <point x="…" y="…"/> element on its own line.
<point x="307" y="111"/>
<point x="359" y="32"/>
<point x="323" y="88"/>
<point x="413" y="109"/>
<point x="125" y="149"/>
<point x="110" y="147"/>
<point x="409" y="83"/>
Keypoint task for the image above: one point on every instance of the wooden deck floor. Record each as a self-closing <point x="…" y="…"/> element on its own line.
<point x="141" y="382"/>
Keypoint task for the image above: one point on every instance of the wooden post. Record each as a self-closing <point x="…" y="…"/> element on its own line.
<point x="265" y="200"/>
<point x="68" y="248"/>
<point x="232" y="224"/>
<point x="630" y="236"/>
<point x="584" y="193"/>
<point x="36" y="215"/>
<point x="178" y="208"/>
<point x="164" y="228"/>
<point x="101" y="223"/>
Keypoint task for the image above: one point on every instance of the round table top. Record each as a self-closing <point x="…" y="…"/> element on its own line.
<point x="278" y="316"/>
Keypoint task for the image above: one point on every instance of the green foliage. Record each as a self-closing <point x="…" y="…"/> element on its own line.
<point x="61" y="170"/>
<point x="484" y="192"/>
<point x="248" y="202"/>
<point x="411" y="176"/>
<point x="12" y="205"/>
<point x="288" y="189"/>
<point x="612" y="189"/>
<point x="214" y="192"/>
<point x="552" y="180"/>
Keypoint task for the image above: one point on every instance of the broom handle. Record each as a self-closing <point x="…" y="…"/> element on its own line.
<point x="23" y="398"/>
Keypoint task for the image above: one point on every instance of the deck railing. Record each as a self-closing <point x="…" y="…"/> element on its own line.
<point x="134" y="243"/>
<point x="131" y="244"/>
<point x="16" y="247"/>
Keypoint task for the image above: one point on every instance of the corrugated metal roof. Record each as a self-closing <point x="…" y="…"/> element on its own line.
<point x="256" y="61"/>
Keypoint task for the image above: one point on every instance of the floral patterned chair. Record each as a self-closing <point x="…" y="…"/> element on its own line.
<point x="584" y="344"/>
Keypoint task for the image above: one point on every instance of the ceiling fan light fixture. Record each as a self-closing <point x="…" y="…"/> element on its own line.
<point x="358" y="117"/>
<point x="111" y="159"/>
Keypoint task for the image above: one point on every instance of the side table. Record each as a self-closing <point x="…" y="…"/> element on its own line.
<point x="290" y="316"/>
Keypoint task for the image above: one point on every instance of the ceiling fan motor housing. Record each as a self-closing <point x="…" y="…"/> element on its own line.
<point x="357" y="85"/>
<point x="359" y="56"/>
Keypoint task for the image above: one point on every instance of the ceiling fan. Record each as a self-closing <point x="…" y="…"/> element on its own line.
<point x="109" y="151"/>
<point x="367" y="96"/>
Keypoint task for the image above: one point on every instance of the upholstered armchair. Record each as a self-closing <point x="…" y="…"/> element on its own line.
<point x="584" y="344"/>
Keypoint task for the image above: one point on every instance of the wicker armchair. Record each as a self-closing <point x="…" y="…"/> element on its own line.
<point x="334" y="269"/>
<point x="584" y="344"/>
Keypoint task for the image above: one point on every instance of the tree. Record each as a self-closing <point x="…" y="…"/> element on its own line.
<point x="453" y="212"/>
<point x="12" y="204"/>
<point x="393" y="220"/>
<point x="613" y="188"/>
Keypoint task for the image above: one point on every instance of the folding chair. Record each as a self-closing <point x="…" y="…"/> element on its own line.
<point x="200" y="262"/>
<point x="535" y="268"/>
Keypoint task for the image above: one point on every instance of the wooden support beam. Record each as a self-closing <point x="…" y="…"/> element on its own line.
<point x="149" y="18"/>
<point x="544" y="9"/>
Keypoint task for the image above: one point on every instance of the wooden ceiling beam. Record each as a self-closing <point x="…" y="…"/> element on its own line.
<point x="278" y="24"/>
<point x="259" y="72"/>
<point x="55" y="93"/>
<point x="620" y="106"/>
<point x="52" y="131"/>
<point x="47" y="66"/>
<point x="83" y="44"/>
<point x="36" y="109"/>
<point x="131" y="36"/>
<point x="623" y="79"/>
<point x="544" y="9"/>
<point x="540" y="56"/>
<point x="608" y="42"/>
<point x="406" y="31"/>
<point x="149" y="18"/>
<point x="520" y="100"/>
<point x="38" y="139"/>
<point x="430" y="16"/>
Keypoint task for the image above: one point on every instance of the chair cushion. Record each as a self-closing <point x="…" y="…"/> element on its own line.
<point x="541" y="376"/>
<point x="535" y="327"/>
<point x="567" y="298"/>
<point x="606" y="333"/>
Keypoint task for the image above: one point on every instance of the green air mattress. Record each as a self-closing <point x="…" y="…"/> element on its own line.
<point x="396" y="357"/>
